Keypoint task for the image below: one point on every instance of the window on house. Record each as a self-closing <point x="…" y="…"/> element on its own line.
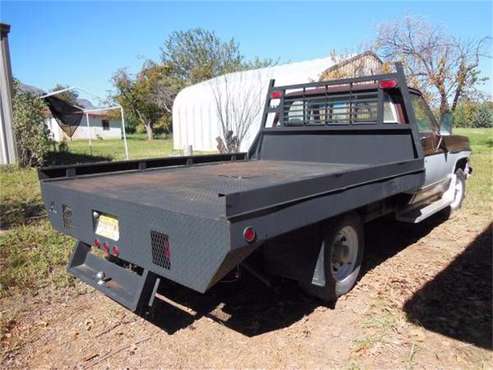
<point x="106" y="124"/>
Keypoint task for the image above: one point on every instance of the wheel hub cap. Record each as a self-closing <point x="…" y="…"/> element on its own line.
<point x="344" y="253"/>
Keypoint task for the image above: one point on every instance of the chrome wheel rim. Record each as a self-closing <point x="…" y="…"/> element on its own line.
<point x="458" y="193"/>
<point x="344" y="253"/>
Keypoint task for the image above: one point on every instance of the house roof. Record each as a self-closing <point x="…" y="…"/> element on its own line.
<point x="354" y="58"/>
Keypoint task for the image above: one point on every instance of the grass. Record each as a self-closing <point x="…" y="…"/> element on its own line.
<point x="138" y="147"/>
<point x="480" y="185"/>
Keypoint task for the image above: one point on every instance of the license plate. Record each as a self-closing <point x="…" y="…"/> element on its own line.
<point x="107" y="226"/>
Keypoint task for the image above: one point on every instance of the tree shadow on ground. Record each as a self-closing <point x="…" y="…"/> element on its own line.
<point x="66" y="158"/>
<point x="458" y="302"/>
<point x="251" y="308"/>
<point x="18" y="212"/>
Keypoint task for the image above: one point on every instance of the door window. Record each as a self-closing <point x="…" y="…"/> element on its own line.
<point x="424" y="118"/>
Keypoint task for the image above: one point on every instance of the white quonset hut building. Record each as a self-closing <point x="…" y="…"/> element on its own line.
<point x="196" y="121"/>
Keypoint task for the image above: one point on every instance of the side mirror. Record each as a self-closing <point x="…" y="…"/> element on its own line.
<point x="446" y="123"/>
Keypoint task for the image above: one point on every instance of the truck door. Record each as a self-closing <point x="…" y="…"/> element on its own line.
<point x="437" y="166"/>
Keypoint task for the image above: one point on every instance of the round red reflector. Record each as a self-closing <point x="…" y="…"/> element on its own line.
<point x="276" y="95"/>
<point x="106" y="247"/>
<point x="115" y="251"/>
<point x="387" y="84"/>
<point x="97" y="243"/>
<point x="249" y="234"/>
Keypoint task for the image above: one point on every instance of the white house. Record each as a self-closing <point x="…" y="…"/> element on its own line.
<point x="100" y="127"/>
<point x="195" y="110"/>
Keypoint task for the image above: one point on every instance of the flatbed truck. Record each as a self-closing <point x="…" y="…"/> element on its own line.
<point x="329" y="157"/>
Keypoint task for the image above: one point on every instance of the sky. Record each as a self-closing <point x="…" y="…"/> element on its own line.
<point x="83" y="43"/>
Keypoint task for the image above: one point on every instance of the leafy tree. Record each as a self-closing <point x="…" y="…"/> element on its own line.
<point x="148" y="96"/>
<point x="436" y="62"/>
<point x="464" y="113"/>
<point x="197" y="55"/>
<point x="473" y="114"/>
<point x="31" y="133"/>
<point x="188" y="57"/>
<point x="483" y="116"/>
<point x="70" y="96"/>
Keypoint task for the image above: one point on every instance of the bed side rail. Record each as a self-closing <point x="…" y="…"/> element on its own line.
<point x="52" y="172"/>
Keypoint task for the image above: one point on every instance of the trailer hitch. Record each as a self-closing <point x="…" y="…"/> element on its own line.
<point x="135" y="291"/>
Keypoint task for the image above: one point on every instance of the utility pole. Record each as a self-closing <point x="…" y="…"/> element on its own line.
<point x="8" y="150"/>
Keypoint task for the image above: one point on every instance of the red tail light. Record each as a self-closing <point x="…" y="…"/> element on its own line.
<point x="115" y="251"/>
<point x="387" y="84"/>
<point x="97" y="243"/>
<point x="249" y="234"/>
<point x="276" y="95"/>
<point x="106" y="247"/>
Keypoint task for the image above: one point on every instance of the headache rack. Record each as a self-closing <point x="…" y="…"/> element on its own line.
<point x="351" y="101"/>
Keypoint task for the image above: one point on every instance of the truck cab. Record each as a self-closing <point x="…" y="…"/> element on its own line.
<point x="444" y="154"/>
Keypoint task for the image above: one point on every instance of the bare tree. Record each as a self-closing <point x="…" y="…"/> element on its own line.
<point x="435" y="61"/>
<point x="238" y="100"/>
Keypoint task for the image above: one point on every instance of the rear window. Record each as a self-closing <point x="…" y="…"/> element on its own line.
<point x="355" y="108"/>
<point x="390" y="110"/>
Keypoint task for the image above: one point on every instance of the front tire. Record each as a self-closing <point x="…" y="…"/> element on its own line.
<point x="341" y="251"/>
<point x="459" y="190"/>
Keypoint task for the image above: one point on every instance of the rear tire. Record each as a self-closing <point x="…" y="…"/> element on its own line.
<point x="342" y="249"/>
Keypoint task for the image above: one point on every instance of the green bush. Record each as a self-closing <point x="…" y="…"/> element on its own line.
<point x="32" y="135"/>
<point x="483" y="117"/>
<point x="473" y="114"/>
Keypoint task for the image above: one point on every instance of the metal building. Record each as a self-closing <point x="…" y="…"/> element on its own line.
<point x="8" y="153"/>
<point x="196" y="121"/>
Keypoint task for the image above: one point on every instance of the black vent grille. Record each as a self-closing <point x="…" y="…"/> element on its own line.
<point x="161" y="251"/>
<point x="67" y="216"/>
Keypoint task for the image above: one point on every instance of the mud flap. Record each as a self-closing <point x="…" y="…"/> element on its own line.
<point x="130" y="289"/>
<point x="318" y="286"/>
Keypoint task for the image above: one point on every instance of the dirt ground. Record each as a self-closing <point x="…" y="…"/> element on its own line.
<point x="424" y="301"/>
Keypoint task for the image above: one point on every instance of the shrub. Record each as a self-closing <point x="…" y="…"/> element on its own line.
<point x="32" y="135"/>
<point x="464" y="114"/>
<point x="483" y="117"/>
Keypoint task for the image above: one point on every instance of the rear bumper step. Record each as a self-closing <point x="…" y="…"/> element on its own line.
<point x="130" y="289"/>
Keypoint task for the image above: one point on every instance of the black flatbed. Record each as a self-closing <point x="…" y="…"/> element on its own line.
<point x="204" y="190"/>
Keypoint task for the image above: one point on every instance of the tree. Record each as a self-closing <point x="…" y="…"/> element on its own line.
<point x="483" y="117"/>
<point x="437" y="63"/>
<point x="464" y="113"/>
<point x="197" y="55"/>
<point x="188" y="57"/>
<point x="138" y="95"/>
<point x="31" y="134"/>
<point x="70" y="96"/>
<point x="236" y="109"/>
